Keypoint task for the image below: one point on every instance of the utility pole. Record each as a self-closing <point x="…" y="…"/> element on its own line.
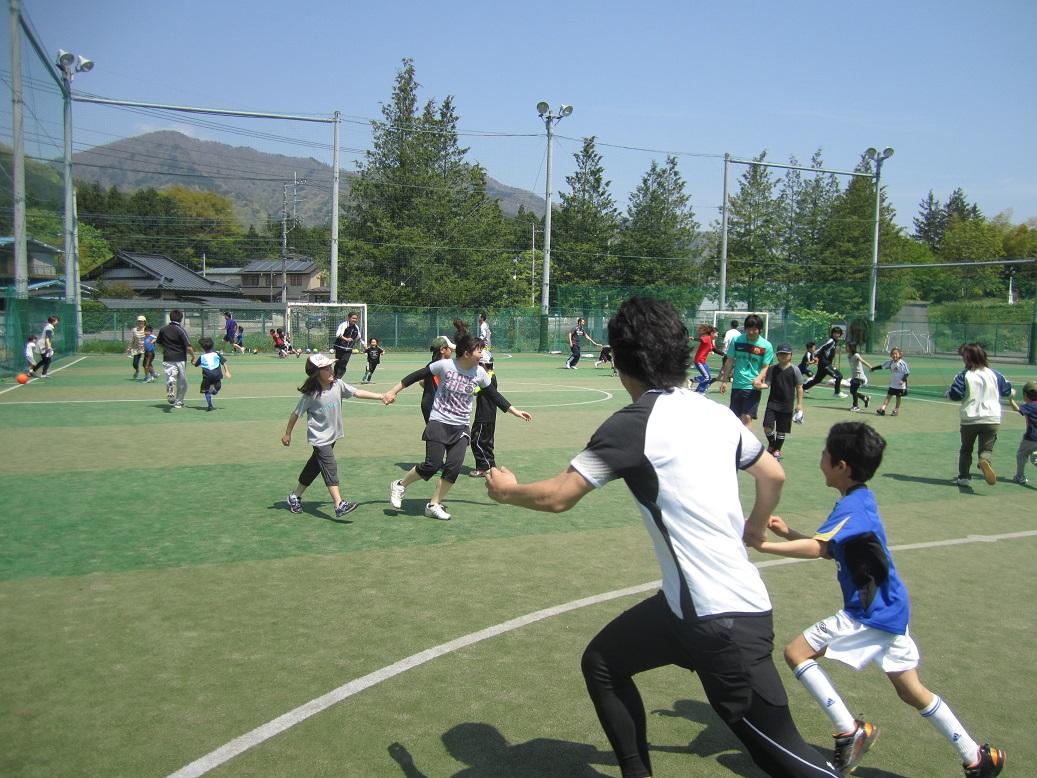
<point x="284" y="255"/>
<point x="21" y="250"/>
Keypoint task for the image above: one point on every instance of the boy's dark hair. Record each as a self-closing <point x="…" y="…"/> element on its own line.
<point x="31" y="337"/>
<point x="974" y="355"/>
<point x="811" y="344"/>
<point x="858" y="445"/>
<point x="52" y="319"/>
<point x="176" y="315"/>
<point x="227" y="315"/>
<point x="148" y="328"/>
<point x="372" y="340"/>
<point x="1030" y="390"/>
<point x="836" y="330"/>
<point x="206" y="343"/>
<point x="754" y="321"/>
<point x="650" y="342"/>
<point x="734" y="323"/>
<point x="466" y="344"/>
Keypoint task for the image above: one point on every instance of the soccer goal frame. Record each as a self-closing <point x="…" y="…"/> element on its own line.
<point x="727" y="316"/>
<point x="313" y="325"/>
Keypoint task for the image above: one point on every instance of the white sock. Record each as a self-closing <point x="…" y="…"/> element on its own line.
<point x="939" y="714"/>
<point x="821" y="689"/>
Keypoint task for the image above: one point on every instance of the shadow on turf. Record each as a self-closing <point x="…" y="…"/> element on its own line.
<point x="717" y="741"/>
<point x="312" y="510"/>
<point x="486" y="752"/>
<point x="921" y="479"/>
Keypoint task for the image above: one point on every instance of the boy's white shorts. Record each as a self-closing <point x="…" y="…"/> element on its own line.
<point x="855" y="644"/>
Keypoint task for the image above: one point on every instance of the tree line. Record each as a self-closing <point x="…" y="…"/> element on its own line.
<point x="418" y="228"/>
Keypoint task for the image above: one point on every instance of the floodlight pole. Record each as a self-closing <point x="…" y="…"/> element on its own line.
<point x="879" y="158"/>
<point x="69" y="64"/>
<point x="333" y="259"/>
<point x="550" y="120"/>
<point x="21" y="250"/>
<point x="723" y="238"/>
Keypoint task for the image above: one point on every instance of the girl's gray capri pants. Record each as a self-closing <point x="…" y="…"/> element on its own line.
<point x="322" y="461"/>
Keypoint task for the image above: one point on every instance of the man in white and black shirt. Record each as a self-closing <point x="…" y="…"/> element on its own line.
<point x="347" y="337"/>
<point x="679" y="454"/>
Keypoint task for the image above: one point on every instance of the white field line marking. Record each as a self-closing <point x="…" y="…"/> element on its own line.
<point x="288" y="720"/>
<point x="40" y="378"/>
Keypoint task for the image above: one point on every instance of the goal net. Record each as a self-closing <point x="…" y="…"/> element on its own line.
<point x="312" y="325"/>
<point x="722" y="320"/>
<point x="908" y="341"/>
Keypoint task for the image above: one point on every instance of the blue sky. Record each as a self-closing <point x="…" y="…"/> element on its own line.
<point x="949" y="85"/>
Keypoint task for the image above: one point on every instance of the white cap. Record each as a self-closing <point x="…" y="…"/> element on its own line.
<point x="319" y="360"/>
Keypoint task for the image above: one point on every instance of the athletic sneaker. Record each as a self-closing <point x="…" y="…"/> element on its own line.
<point x="855" y="409"/>
<point x="895" y="412"/>
<point x="436" y="511"/>
<point x="178" y="405"/>
<point x="841" y="395"/>
<point x="478" y="474"/>
<point x="396" y="490"/>
<point x="851" y="748"/>
<point x="776" y="454"/>
<point x="345" y="507"/>
<point x="880" y="411"/>
<point x="961" y="481"/>
<point x="988" y="471"/>
<point x="171" y="392"/>
<point x="991" y="762"/>
<point x="1022" y="480"/>
<point x="294" y="503"/>
<point x="867" y="400"/>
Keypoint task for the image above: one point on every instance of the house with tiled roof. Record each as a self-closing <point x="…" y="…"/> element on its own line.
<point x="158" y="277"/>
<point x="262" y="279"/>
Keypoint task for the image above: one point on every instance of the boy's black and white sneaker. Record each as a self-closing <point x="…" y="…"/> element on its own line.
<point x="170" y="392"/>
<point x="867" y="400"/>
<point x="991" y="762"/>
<point x="345" y="507"/>
<point x="294" y="503"/>
<point x="850" y="748"/>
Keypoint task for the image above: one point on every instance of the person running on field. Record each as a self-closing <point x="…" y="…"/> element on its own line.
<point x="176" y="347"/>
<point x="898" y="373"/>
<point x="872" y="626"/>
<point x="858" y="378"/>
<point x="826" y="363"/>
<point x="447" y="433"/>
<point x="347" y="337"/>
<point x="980" y="389"/>
<point x="745" y="369"/>
<point x="713" y="615"/>
<point x="321" y="403"/>
<point x="575" y="334"/>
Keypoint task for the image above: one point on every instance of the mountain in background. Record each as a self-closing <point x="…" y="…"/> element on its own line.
<point x="252" y="180"/>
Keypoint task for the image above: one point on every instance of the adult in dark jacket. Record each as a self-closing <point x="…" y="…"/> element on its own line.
<point x="175" y="348"/>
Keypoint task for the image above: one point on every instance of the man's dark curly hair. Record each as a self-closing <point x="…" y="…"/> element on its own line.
<point x="858" y="445"/>
<point x="650" y="342"/>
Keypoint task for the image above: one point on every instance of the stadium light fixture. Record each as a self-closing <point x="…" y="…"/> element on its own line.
<point x="69" y="64"/>
<point x="550" y="120"/>
<point x="878" y="157"/>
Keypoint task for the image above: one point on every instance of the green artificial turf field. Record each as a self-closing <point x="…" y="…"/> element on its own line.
<point x="158" y="601"/>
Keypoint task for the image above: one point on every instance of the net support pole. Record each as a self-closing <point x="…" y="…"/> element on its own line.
<point x="333" y="259"/>
<point x="1032" y="356"/>
<point x="723" y="238"/>
<point x="21" y="249"/>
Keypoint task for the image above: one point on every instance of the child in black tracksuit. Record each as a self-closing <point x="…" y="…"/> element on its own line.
<point x="374" y="357"/>
<point x="484" y="427"/>
<point x="826" y="363"/>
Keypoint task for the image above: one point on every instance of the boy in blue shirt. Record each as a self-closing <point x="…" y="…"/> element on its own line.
<point x="149" y="354"/>
<point x="873" y="623"/>
<point x="214" y="367"/>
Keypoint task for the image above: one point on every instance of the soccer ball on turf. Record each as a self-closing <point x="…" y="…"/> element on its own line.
<point x="22" y="378"/>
